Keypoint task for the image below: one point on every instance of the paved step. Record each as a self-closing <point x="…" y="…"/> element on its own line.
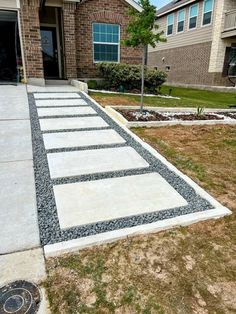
<point x="60" y="102"/>
<point x="81" y="139"/>
<point x="77" y="163"/>
<point x="71" y="123"/>
<point x="63" y="111"/>
<point x="102" y="200"/>
<point x="55" y="95"/>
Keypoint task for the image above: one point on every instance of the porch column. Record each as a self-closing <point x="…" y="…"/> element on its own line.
<point x="69" y="9"/>
<point x="31" y="38"/>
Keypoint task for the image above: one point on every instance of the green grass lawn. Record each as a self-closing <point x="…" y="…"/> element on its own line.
<point x="189" y="98"/>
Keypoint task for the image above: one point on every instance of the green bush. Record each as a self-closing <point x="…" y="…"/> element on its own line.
<point x="92" y="84"/>
<point x="129" y="76"/>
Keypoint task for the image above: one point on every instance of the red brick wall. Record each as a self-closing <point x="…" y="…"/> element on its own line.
<point x="69" y="39"/>
<point x="188" y="65"/>
<point x="32" y="50"/>
<point x="103" y="11"/>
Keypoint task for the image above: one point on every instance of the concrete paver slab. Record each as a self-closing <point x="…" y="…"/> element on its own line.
<point x="18" y="214"/>
<point x="101" y="200"/>
<point x="76" y="163"/>
<point x="13" y="102"/>
<point x="15" y="140"/>
<point x="71" y="123"/>
<point x="63" y="111"/>
<point x="81" y="139"/>
<point x="51" y="88"/>
<point x="60" y="102"/>
<point x="55" y="95"/>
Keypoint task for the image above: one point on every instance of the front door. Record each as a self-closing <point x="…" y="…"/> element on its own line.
<point x="50" y="53"/>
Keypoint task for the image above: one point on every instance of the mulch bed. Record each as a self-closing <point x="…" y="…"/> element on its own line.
<point x="192" y="117"/>
<point x="231" y="115"/>
<point x="149" y="115"/>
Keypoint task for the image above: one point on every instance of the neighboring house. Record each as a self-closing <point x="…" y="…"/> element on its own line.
<point x="201" y="41"/>
<point x="61" y="39"/>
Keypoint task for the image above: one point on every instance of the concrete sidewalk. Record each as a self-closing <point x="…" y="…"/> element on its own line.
<point x="21" y="257"/>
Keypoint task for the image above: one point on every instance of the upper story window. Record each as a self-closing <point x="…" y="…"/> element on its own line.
<point x="193" y="14"/>
<point x="181" y="19"/>
<point x="106" y="42"/>
<point x="207" y="12"/>
<point x="170" y="24"/>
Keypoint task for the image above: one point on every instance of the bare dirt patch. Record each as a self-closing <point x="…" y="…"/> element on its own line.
<point x="180" y="271"/>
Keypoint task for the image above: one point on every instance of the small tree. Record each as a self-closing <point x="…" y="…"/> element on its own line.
<point x="142" y="31"/>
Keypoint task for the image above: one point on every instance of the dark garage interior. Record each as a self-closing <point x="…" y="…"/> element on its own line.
<point x="10" y="52"/>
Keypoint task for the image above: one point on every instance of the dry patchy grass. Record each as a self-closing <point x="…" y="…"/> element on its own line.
<point x="185" y="270"/>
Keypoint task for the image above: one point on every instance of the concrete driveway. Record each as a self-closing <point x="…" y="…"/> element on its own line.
<point x="21" y="257"/>
<point x="18" y="215"/>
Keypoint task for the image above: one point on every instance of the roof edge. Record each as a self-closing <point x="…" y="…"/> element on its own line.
<point x="174" y="8"/>
<point x="132" y="3"/>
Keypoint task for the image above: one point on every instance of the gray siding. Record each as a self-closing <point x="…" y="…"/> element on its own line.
<point x="187" y="37"/>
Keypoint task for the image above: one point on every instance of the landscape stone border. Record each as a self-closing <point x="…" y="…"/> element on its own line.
<point x="112" y="112"/>
<point x="50" y="231"/>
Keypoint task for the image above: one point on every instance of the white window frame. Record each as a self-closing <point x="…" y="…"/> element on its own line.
<point x="170" y="24"/>
<point x="106" y="43"/>
<point x="184" y="20"/>
<point x="203" y="4"/>
<point x="189" y="17"/>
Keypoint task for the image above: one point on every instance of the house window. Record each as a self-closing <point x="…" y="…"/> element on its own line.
<point x="106" y="42"/>
<point x="181" y="18"/>
<point x="193" y="14"/>
<point x="207" y="12"/>
<point x="170" y="24"/>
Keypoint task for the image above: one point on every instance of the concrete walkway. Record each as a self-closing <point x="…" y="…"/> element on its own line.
<point x="93" y="177"/>
<point x="21" y="257"/>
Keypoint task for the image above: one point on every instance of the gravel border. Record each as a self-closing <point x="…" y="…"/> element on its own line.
<point x="50" y="231"/>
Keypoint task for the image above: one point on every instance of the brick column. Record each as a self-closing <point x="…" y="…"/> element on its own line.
<point x="31" y="38"/>
<point x="69" y="39"/>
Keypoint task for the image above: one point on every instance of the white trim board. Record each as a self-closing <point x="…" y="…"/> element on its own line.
<point x="183" y="220"/>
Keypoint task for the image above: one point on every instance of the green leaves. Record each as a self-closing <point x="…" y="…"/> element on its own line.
<point x="130" y="76"/>
<point x="142" y="29"/>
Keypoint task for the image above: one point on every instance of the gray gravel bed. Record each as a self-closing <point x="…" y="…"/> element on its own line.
<point x="71" y="149"/>
<point x="69" y="116"/>
<point x="79" y="129"/>
<point x="50" y="231"/>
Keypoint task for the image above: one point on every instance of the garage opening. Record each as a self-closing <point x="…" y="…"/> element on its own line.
<point x="10" y="52"/>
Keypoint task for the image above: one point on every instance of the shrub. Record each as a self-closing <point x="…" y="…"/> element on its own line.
<point x="92" y="84"/>
<point x="129" y="76"/>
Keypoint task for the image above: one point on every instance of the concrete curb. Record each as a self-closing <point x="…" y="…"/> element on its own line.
<point x="77" y="244"/>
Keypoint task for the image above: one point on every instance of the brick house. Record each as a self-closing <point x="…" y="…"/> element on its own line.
<point x="62" y="39"/>
<point x="201" y="42"/>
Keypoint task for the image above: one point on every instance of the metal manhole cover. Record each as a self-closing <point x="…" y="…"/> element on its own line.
<point x="19" y="297"/>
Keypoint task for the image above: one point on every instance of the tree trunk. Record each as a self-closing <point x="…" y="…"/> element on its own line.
<point x="142" y="84"/>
